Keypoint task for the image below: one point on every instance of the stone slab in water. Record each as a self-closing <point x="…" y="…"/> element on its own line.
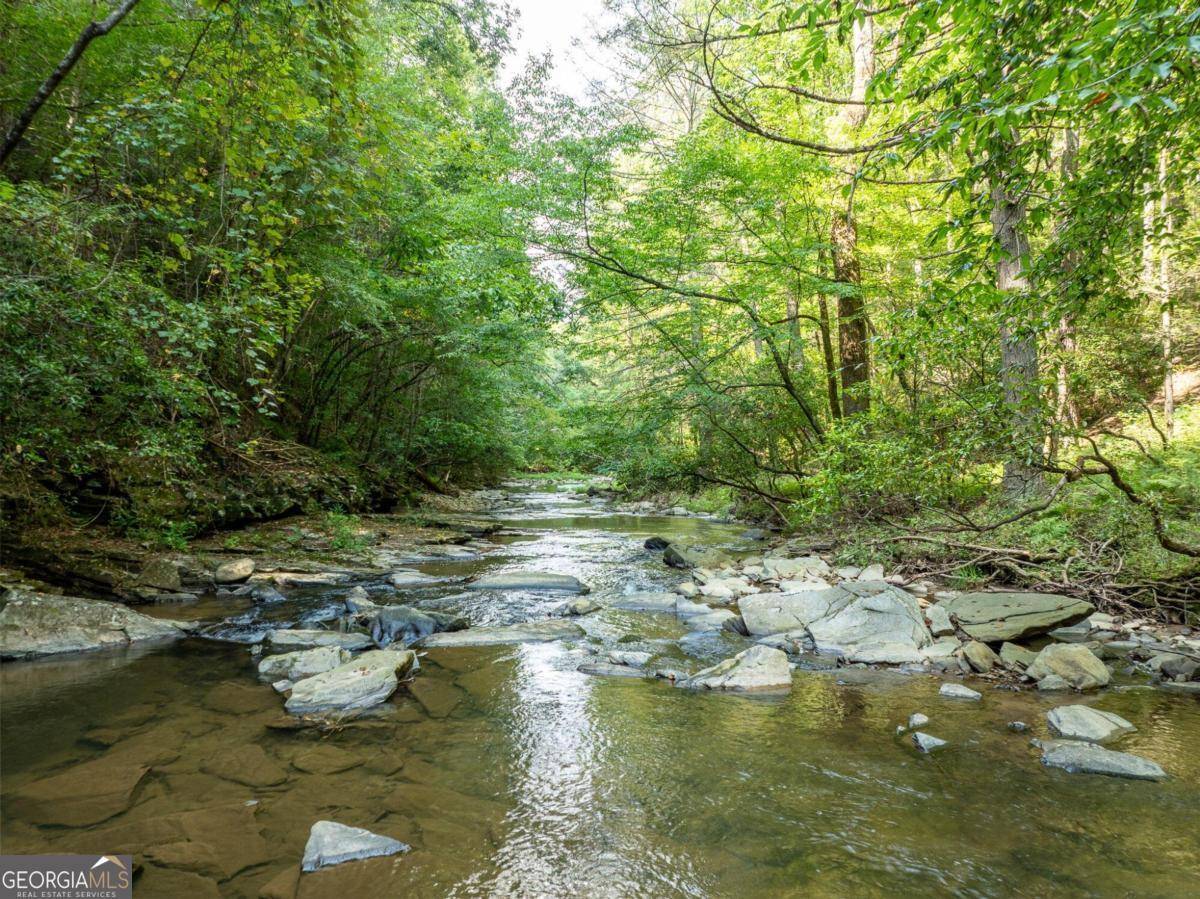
<point x="1088" y="758"/>
<point x="529" y="632"/>
<point x="39" y="624"/>
<point x="82" y="795"/>
<point x="958" y="691"/>
<point x="367" y="681"/>
<point x="299" y="639"/>
<point x="303" y="663"/>
<point x="927" y="742"/>
<point x="529" y="580"/>
<point x="330" y="843"/>
<point x="610" y="669"/>
<point x="758" y="668"/>
<point x="1081" y="722"/>
<point x="993" y="617"/>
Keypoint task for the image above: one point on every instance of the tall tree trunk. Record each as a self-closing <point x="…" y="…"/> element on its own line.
<point x="831" y="375"/>
<point x="1156" y="279"/>
<point x="853" y="328"/>
<point x="1065" y="408"/>
<point x="1018" y="341"/>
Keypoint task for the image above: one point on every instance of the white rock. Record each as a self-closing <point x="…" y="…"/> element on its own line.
<point x="958" y="691"/>
<point x="234" y="572"/>
<point x="1081" y="722"/>
<point x="917" y="719"/>
<point x="330" y="843"/>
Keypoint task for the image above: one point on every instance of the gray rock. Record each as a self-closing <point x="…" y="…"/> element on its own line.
<point x="330" y="843"/>
<point x="1052" y="683"/>
<point x="577" y="607"/>
<point x="610" y="669"/>
<point x="1088" y="758"/>
<point x="358" y="602"/>
<point x="927" y="743"/>
<point x="1018" y="727"/>
<point x="980" y="656"/>
<point x="629" y="657"/>
<point x="529" y="580"/>
<point x="993" y="617"/>
<point x="645" y="602"/>
<point x="304" y="663"/>
<point x="940" y="624"/>
<point x="39" y="624"/>
<point x="1014" y="656"/>
<point x="872" y="572"/>
<point x="1174" y="666"/>
<point x="916" y="719"/>
<point x="408" y="577"/>
<point x="757" y="668"/>
<point x="162" y="574"/>
<point x="958" y="691"/>
<point x="303" y="639"/>
<point x="234" y="572"/>
<point x="359" y="684"/>
<point x="1081" y="722"/>
<point x="404" y="624"/>
<point x="679" y="556"/>
<point x="529" y="632"/>
<point x="1073" y="662"/>
<point x="656" y="544"/>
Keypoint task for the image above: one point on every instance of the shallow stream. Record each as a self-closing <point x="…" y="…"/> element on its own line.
<point x="512" y="774"/>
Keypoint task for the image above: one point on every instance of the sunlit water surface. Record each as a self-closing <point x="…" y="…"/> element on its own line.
<point x="512" y="774"/>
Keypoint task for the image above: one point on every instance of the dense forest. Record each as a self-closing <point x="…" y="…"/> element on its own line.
<point x="922" y="273"/>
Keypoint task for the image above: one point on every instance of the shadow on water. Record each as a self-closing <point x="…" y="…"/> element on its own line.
<point x="510" y="773"/>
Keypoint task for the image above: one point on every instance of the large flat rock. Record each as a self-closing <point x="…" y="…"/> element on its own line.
<point x="366" y="681"/>
<point x="39" y="624"/>
<point x="80" y="796"/>
<point x="330" y="843"/>
<point x="529" y="632"/>
<point x="993" y="617"/>
<point x="1088" y="758"/>
<point x="529" y="580"/>
<point x="1081" y="722"/>
<point x="304" y="639"/>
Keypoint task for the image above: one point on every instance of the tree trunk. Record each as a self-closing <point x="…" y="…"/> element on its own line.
<point x="1066" y="411"/>
<point x="1164" y="301"/>
<point x="1018" y="342"/>
<point x="831" y="377"/>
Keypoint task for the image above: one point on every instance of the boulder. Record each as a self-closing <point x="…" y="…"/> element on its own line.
<point x="529" y="632"/>
<point x="577" y="607"/>
<point x="1052" y="683"/>
<point x="927" y="743"/>
<point x="161" y="574"/>
<point x="1081" y="722"/>
<point x="873" y="572"/>
<point x="529" y="580"/>
<point x="39" y="624"/>
<point x="757" y="668"/>
<point x="980" y="656"/>
<point x="234" y="572"/>
<point x="993" y="617"/>
<point x="300" y="639"/>
<point x="958" y="691"/>
<point x="1088" y="758"/>
<point x="1074" y="663"/>
<point x="805" y="567"/>
<point x="629" y="657"/>
<point x="364" y="682"/>
<point x="656" y="544"/>
<point x="917" y="719"/>
<point x="679" y="556"/>
<point x="939" y="621"/>
<point x="404" y="624"/>
<point x="358" y="602"/>
<point x="1014" y="656"/>
<point x="330" y="843"/>
<point x="294" y="666"/>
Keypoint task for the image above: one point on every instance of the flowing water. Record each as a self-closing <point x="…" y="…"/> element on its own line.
<point x="512" y="774"/>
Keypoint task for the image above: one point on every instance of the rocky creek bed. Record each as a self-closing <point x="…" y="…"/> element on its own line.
<point x="538" y="704"/>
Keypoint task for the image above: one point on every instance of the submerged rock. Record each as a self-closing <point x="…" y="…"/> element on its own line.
<point x="529" y="632"/>
<point x="992" y="617"/>
<point x="645" y="602"/>
<point x="958" y="691"/>
<point x="757" y="668"/>
<point x="610" y="669"/>
<point x="234" y="572"/>
<point x="1074" y="663"/>
<point x="1081" y="722"/>
<point x="364" y="682"/>
<point x="529" y="580"/>
<point x="330" y="843"/>
<point x="38" y="624"/>
<point x="917" y="719"/>
<point x="82" y="795"/>
<point x="629" y="657"/>
<point x="1088" y="758"/>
